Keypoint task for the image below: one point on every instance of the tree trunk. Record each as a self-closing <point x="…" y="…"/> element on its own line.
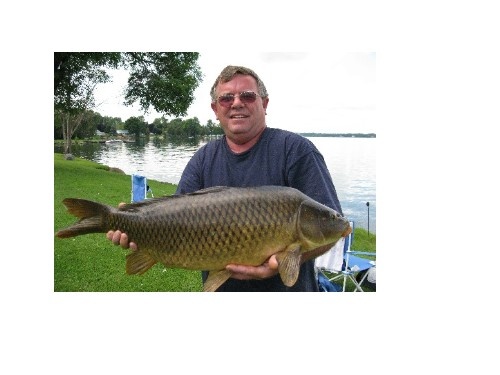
<point x="72" y="122"/>
<point x="67" y="134"/>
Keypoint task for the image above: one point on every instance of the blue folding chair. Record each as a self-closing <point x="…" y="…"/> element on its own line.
<point x="140" y="188"/>
<point x="346" y="266"/>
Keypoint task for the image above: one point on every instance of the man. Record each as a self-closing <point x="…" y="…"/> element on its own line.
<point x="251" y="154"/>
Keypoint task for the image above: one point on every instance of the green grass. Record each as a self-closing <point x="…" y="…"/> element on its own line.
<point x="91" y="263"/>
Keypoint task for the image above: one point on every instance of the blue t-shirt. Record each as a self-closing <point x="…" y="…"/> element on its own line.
<point x="279" y="158"/>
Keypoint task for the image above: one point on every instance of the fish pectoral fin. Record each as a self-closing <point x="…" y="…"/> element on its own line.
<point x="289" y="264"/>
<point x="215" y="279"/>
<point x="139" y="262"/>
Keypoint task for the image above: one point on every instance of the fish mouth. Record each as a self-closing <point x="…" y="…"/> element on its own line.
<point x="347" y="232"/>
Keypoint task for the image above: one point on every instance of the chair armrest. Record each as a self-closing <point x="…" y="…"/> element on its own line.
<point x="354" y="252"/>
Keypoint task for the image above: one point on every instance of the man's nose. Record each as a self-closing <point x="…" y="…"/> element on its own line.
<point x="237" y="102"/>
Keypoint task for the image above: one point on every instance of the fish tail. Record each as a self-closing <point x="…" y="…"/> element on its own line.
<point x="91" y="214"/>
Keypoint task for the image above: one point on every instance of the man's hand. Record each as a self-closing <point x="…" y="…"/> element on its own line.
<point x="264" y="271"/>
<point x="119" y="238"/>
<point x="270" y="267"/>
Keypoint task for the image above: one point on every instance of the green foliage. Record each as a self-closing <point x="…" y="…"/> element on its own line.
<point x="90" y="122"/>
<point x="75" y="76"/>
<point x="91" y="263"/>
<point x="190" y="127"/>
<point x="137" y="126"/>
<point x="213" y="128"/>
<point x="157" y="126"/>
<point x="164" y="81"/>
<point x="109" y="125"/>
<point x="88" y="125"/>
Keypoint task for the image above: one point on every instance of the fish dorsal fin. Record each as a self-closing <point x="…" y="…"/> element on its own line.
<point x="215" y="279"/>
<point x="139" y="262"/>
<point x="210" y="190"/>
<point x="289" y="264"/>
<point x="132" y="207"/>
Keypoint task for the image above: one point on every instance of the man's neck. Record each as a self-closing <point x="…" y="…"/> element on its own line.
<point x="239" y="148"/>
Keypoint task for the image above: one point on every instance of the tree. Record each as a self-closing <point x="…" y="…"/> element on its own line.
<point x="73" y="71"/>
<point x="137" y="126"/>
<point x="164" y="81"/>
<point x="109" y="124"/>
<point x="76" y="76"/>
<point x="174" y="127"/>
<point x="88" y="124"/>
<point x="191" y="127"/>
<point x="213" y="129"/>
<point x="157" y="126"/>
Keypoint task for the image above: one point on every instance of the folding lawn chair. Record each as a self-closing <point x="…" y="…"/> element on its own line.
<point x="330" y="261"/>
<point x="343" y="261"/>
<point x="140" y="188"/>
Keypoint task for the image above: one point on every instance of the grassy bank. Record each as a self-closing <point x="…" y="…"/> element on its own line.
<point x="91" y="263"/>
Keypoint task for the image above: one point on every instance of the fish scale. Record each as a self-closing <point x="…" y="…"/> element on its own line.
<point x="209" y="229"/>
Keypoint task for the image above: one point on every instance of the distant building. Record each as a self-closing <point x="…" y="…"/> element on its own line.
<point x="99" y="133"/>
<point x="122" y="132"/>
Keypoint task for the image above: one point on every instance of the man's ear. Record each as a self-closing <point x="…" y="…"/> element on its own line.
<point x="265" y="102"/>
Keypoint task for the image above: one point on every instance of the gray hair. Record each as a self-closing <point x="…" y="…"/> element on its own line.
<point x="228" y="74"/>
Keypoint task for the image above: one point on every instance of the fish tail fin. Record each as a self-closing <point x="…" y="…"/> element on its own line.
<point x="91" y="215"/>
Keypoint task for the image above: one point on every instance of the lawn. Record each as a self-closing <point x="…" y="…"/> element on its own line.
<point x="91" y="263"/>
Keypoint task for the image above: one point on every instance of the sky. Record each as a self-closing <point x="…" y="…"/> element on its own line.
<point x="323" y="92"/>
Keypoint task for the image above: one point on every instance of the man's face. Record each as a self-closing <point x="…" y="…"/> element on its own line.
<point x="241" y="121"/>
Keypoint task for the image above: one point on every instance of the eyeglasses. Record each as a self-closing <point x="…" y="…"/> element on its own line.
<point x="246" y="97"/>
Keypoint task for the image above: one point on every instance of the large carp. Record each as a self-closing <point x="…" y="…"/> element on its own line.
<point x="214" y="227"/>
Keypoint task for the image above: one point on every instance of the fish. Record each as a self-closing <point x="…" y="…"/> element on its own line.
<point x="211" y="228"/>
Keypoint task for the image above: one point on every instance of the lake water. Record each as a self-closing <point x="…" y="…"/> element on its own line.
<point x="351" y="162"/>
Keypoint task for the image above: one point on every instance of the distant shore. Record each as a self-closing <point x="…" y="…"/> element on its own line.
<point x="344" y="135"/>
